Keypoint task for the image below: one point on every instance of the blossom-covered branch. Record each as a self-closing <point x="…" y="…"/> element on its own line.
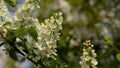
<point x="30" y="37"/>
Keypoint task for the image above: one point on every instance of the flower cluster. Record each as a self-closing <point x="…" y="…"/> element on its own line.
<point x="88" y="59"/>
<point x="48" y="34"/>
<point x="4" y="14"/>
<point x="48" y="31"/>
<point x="27" y="10"/>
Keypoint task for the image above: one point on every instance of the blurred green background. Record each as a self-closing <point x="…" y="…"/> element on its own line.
<point x="83" y="20"/>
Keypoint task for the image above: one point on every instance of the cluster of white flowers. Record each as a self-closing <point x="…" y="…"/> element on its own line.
<point x="4" y="14"/>
<point x="48" y="31"/>
<point x="88" y="59"/>
<point x="4" y="17"/>
<point x="27" y="9"/>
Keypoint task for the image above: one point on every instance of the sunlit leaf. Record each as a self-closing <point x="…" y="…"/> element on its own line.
<point x="7" y="23"/>
<point x="20" y="32"/>
<point x="108" y="40"/>
<point x="33" y="33"/>
<point x="118" y="56"/>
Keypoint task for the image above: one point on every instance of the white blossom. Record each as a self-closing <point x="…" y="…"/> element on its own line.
<point x="49" y="34"/>
<point x="88" y="59"/>
<point x="4" y="14"/>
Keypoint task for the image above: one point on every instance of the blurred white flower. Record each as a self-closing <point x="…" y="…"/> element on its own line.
<point x="66" y="8"/>
<point x="88" y="58"/>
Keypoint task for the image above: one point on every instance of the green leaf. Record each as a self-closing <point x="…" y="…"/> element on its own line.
<point x="7" y="23"/>
<point x="39" y="66"/>
<point x="11" y="2"/>
<point x="118" y="56"/>
<point x="108" y="40"/>
<point x="33" y="33"/>
<point x="10" y="35"/>
<point x="13" y="54"/>
<point x="20" y="32"/>
<point x="25" y="47"/>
